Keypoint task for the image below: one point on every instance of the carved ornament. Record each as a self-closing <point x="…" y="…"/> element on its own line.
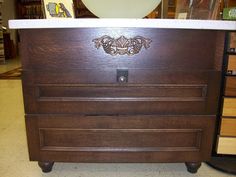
<point x="122" y="45"/>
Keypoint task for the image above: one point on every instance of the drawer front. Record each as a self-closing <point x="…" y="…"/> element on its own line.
<point x="228" y="127"/>
<point x="229" y="107"/>
<point x="104" y="137"/>
<point x="194" y="93"/>
<point x="226" y="145"/>
<point x="230" y="86"/>
<point x="113" y="99"/>
<point x="73" y="49"/>
<point x="232" y="64"/>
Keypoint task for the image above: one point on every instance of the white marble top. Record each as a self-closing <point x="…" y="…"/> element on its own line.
<point x="134" y="23"/>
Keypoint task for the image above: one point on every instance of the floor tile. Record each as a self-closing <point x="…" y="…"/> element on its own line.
<point x="10" y="65"/>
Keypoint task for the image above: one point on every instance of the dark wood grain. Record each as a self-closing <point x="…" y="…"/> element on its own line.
<point x="76" y="111"/>
<point x="81" y="91"/>
<point x="65" y="136"/>
<point x="169" y="50"/>
<point x="119" y="140"/>
<point x="173" y="93"/>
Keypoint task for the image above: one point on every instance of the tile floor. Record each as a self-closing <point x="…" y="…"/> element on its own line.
<point x="14" y="157"/>
<point x="10" y="65"/>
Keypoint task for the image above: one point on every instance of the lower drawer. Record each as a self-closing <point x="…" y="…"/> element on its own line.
<point x="228" y="127"/>
<point x="226" y="145"/>
<point x="120" y="138"/>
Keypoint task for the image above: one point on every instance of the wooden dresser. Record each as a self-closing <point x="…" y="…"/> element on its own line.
<point x="127" y="94"/>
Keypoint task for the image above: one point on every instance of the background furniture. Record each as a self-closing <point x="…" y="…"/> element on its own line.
<point x="227" y="133"/>
<point x="32" y="9"/>
<point x="29" y="9"/>
<point x="224" y="154"/>
<point x="224" y="159"/>
<point x="2" y="56"/>
<point x="9" y="48"/>
<point x="168" y="7"/>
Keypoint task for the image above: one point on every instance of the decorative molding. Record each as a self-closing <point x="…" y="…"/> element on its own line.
<point x="122" y="45"/>
<point x="89" y="146"/>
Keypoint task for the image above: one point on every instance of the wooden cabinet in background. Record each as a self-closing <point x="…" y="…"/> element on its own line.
<point x="168" y="8"/>
<point x="230" y="3"/>
<point x="171" y="8"/>
<point x="32" y="9"/>
<point x="29" y="9"/>
<point x="226" y="143"/>
<point x="2" y="54"/>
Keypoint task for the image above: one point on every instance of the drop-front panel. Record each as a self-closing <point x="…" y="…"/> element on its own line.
<point x="121" y="94"/>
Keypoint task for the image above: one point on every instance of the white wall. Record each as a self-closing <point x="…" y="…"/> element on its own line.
<point x="9" y="12"/>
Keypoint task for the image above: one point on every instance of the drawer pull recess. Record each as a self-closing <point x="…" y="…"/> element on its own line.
<point x="122" y="45"/>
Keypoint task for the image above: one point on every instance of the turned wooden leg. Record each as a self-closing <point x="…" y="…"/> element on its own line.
<point x="46" y="166"/>
<point x="193" y="167"/>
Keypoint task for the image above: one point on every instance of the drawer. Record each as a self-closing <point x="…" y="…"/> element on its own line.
<point x="149" y="92"/>
<point x="229" y="107"/>
<point x="232" y="64"/>
<point x="228" y="127"/>
<point x="230" y="86"/>
<point x="93" y="99"/>
<point x="73" y="49"/>
<point x="104" y="137"/>
<point x="226" y="145"/>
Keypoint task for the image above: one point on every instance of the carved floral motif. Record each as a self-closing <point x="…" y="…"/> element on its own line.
<point x="122" y="45"/>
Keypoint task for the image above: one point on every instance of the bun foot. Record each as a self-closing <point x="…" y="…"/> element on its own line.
<point x="46" y="166"/>
<point x="193" y="167"/>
